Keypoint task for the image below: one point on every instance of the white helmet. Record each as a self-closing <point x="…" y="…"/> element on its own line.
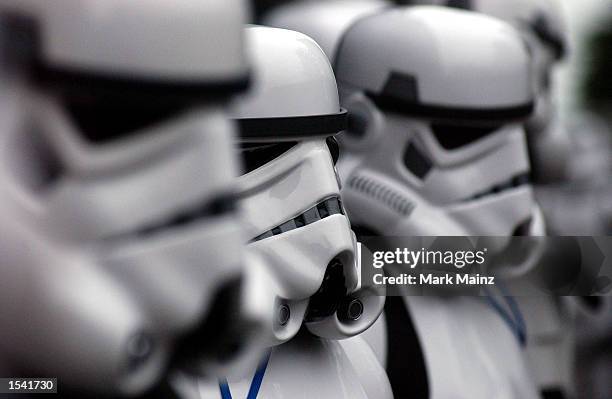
<point x="153" y="43"/>
<point x="542" y="25"/>
<point x="435" y="143"/>
<point x="540" y="21"/>
<point x="291" y="194"/>
<point x="120" y="242"/>
<point x="325" y="21"/>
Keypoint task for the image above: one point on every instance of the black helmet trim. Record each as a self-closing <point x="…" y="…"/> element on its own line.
<point x="20" y="44"/>
<point x="129" y="88"/>
<point x="293" y="127"/>
<point x="400" y="95"/>
<point x="437" y="112"/>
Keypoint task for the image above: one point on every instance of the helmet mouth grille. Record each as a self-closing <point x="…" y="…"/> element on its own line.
<point x="328" y="207"/>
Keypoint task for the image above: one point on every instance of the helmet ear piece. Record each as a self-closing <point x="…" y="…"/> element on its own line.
<point x="365" y="122"/>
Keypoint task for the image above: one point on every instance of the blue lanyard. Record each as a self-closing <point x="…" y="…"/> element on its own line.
<point x="514" y="319"/>
<point x="255" y="383"/>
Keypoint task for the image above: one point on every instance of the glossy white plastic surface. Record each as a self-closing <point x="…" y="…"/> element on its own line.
<point x="292" y="77"/>
<point x="296" y="258"/>
<point x="469" y="352"/>
<point x="113" y="37"/>
<point x="323" y="20"/>
<point x="494" y="74"/>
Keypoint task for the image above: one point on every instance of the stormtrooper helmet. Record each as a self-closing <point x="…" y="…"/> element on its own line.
<point x="290" y="192"/>
<point x="324" y="20"/>
<point x="542" y="25"/>
<point x="429" y="151"/>
<point x="119" y="234"/>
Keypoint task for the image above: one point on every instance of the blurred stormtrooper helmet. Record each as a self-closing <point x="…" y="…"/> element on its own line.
<point x="290" y="190"/>
<point x="435" y="144"/>
<point x="542" y="25"/>
<point x="326" y="20"/>
<point x="539" y="21"/>
<point x="120" y="247"/>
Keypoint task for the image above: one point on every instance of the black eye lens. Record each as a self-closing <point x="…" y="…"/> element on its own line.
<point x="255" y="155"/>
<point x="334" y="148"/>
<point x="455" y="136"/>
<point x="103" y="120"/>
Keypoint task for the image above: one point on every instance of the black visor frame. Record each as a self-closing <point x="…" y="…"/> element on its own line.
<point x="22" y="48"/>
<point x="292" y="128"/>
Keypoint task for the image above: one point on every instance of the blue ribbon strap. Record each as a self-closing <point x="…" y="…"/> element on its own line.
<point x="255" y="382"/>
